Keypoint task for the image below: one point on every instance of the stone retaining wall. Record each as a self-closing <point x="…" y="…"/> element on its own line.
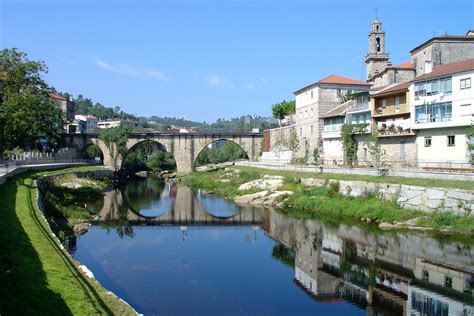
<point x="425" y="199"/>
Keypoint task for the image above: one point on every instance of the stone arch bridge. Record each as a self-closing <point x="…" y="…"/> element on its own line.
<point x="185" y="147"/>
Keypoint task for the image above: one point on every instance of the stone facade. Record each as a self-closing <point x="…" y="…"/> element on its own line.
<point x="425" y="199"/>
<point x="442" y="50"/>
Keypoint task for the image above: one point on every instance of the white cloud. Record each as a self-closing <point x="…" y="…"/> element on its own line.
<point x="127" y="70"/>
<point x="218" y="81"/>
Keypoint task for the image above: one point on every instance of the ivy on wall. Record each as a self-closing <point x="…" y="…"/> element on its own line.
<point x="349" y="143"/>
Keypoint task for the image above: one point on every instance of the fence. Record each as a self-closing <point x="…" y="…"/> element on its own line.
<point x="7" y="165"/>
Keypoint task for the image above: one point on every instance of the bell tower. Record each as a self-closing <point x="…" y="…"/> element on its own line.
<point x="376" y="59"/>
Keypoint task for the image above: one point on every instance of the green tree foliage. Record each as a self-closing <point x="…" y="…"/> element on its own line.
<point x="150" y="156"/>
<point x="115" y="140"/>
<point x="92" y="152"/>
<point x="86" y="106"/>
<point x="26" y="110"/>
<point x="218" y="154"/>
<point x="283" y="109"/>
<point x="349" y="143"/>
<point x="376" y="153"/>
<point x="470" y="142"/>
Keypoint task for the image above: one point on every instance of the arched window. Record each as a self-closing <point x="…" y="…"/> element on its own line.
<point x="377" y="27"/>
<point x="377" y="44"/>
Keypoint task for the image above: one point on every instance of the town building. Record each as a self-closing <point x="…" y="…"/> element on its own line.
<point x="115" y="123"/>
<point x="442" y="109"/>
<point x="316" y="99"/>
<point x="380" y="72"/>
<point x="68" y="108"/>
<point x="441" y="50"/>
<point x="86" y="123"/>
<point x="333" y="151"/>
<point x="390" y="109"/>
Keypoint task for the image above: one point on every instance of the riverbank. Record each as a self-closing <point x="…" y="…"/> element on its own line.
<point x="297" y="195"/>
<point x="37" y="275"/>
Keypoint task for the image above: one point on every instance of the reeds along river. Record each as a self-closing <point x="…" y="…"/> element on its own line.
<point x="167" y="249"/>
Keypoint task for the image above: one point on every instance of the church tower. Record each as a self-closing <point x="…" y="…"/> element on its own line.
<point x="376" y="59"/>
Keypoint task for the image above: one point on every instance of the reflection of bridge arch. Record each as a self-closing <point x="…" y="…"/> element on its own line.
<point x="186" y="211"/>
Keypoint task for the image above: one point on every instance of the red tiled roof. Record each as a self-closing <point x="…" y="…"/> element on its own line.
<point x="342" y="80"/>
<point x="56" y="96"/>
<point x="406" y="65"/>
<point x="335" y="79"/>
<point x="448" y="69"/>
<point x="398" y="87"/>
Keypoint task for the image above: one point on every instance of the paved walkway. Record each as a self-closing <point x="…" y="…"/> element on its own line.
<point x="415" y="173"/>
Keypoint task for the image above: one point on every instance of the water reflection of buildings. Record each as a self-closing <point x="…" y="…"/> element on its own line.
<point x="389" y="274"/>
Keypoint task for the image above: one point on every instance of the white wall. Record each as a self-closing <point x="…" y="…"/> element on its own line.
<point x="439" y="150"/>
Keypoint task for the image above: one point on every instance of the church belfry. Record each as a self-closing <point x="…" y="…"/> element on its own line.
<point x="376" y="59"/>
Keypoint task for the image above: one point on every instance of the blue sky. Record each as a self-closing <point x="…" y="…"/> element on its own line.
<point x="207" y="59"/>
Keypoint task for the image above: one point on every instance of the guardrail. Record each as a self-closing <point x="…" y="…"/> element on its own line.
<point x="8" y="165"/>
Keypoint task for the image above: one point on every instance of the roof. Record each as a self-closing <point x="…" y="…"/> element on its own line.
<point x="406" y="65"/>
<point x="56" y="96"/>
<point x="397" y="87"/>
<point x="87" y="116"/>
<point x="339" y="110"/>
<point x="448" y="69"/>
<point x="335" y="79"/>
<point x="455" y="38"/>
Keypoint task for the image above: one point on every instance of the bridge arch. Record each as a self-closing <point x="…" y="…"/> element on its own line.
<point x="234" y="151"/>
<point x="139" y="154"/>
<point x="92" y="151"/>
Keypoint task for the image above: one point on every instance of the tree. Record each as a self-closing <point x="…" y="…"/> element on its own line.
<point x="294" y="144"/>
<point x="470" y="142"/>
<point x="115" y="140"/>
<point x="283" y="109"/>
<point x="26" y="110"/>
<point x="376" y="152"/>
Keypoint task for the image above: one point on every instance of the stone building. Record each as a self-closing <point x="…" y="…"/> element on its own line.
<point x="380" y="72"/>
<point x="316" y="99"/>
<point x="68" y="108"/>
<point x="441" y="50"/>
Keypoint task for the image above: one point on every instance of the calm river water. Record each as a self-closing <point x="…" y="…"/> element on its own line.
<point x="170" y="250"/>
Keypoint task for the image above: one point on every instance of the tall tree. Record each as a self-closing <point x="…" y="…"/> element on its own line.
<point x="26" y="110"/>
<point x="283" y="109"/>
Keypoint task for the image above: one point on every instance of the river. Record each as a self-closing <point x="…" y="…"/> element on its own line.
<point x="169" y="250"/>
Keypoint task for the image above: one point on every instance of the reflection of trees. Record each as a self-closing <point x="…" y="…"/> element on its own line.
<point x="143" y="193"/>
<point x="284" y="254"/>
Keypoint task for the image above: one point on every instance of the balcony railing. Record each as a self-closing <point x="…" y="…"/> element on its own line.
<point x="360" y="106"/>
<point x="433" y="118"/>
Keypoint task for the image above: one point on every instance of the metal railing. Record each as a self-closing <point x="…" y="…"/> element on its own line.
<point x="8" y="165"/>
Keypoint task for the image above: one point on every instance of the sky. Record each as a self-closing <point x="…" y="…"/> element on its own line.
<point x="210" y="59"/>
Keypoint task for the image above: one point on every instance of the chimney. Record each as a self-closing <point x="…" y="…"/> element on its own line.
<point x="428" y="66"/>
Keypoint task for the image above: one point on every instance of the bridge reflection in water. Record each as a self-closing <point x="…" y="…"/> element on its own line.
<point x="383" y="273"/>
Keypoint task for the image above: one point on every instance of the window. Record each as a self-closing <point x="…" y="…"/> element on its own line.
<point x="397" y="104"/>
<point x="377" y="44"/>
<point x="311" y="94"/>
<point x="432" y="87"/>
<point x="427" y="141"/>
<point x="301" y="131"/>
<point x="426" y="275"/>
<point x="465" y="83"/>
<point x="430" y="113"/>
<point x="451" y="140"/>
<point x="311" y="129"/>
<point x="448" y="282"/>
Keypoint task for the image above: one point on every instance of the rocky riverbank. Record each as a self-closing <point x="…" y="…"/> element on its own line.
<point x="390" y="206"/>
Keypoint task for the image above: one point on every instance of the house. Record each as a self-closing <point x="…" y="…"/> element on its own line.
<point x="442" y="108"/>
<point x="87" y="123"/>
<point x="68" y="108"/>
<point x="390" y="109"/>
<point x="441" y="50"/>
<point x="115" y="123"/>
<point x="333" y="151"/>
<point x="316" y="99"/>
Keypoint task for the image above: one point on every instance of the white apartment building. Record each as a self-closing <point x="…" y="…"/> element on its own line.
<point x="442" y="109"/>
<point x="87" y="123"/>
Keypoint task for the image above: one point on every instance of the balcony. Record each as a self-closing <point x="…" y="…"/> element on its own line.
<point x="360" y="106"/>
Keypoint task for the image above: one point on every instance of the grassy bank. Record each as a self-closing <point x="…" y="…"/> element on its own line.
<point x="314" y="202"/>
<point x="36" y="276"/>
<point x="454" y="184"/>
